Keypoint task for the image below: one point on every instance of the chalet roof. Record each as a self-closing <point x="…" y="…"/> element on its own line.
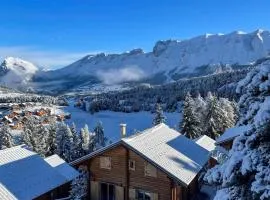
<point x="206" y="142"/>
<point x="25" y="175"/>
<point x="170" y="151"/>
<point x="179" y="157"/>
<point x="231" y="133"/>
<point x="62" y="167"/>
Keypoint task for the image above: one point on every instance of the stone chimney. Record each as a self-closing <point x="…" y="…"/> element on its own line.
<point x="123" y="130"/>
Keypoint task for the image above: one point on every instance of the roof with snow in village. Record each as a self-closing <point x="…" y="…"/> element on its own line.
<point x="176" y="155"/>
<point x="25" y="175"/>
<point x="231" y="133"/>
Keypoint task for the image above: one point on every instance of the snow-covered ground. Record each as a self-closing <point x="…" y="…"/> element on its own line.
<point x="111" y="120"/>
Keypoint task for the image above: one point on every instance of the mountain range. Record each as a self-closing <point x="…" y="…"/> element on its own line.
<point x="169" y="61"/>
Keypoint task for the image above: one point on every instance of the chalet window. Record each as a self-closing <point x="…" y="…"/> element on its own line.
<point x="131" y="165"/>
<point x="105" y="162"/>
<point x="144" y="195"/>
<point x="150" y="170"/>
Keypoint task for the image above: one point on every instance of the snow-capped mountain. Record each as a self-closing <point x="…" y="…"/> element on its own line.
<point x="168" y="61"/>
<point x="16" y="73"/>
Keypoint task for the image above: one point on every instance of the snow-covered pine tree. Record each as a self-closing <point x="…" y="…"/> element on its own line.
<point x="79" y="185"/>
<point x="35" y="136"/>
<point x="159" y="116"/>
<point x="216" y="119"/>
<point x="201" y="111"/>
<point x="86" y="140"/>
<point x="245" y="175"/>
<point x="77" y="143"/>
<point x="190" y="125"/>
<point x="100" y="139"/>
<point x="64" y="141"/>
<point x="52" y="139"/>
<point x="6" y="140"/>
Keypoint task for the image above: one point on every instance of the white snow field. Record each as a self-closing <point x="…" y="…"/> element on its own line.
<point x="111" y="120"/>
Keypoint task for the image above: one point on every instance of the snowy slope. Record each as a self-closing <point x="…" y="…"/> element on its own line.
<point x="169" y="60"/>
<point x="15" y="72"/>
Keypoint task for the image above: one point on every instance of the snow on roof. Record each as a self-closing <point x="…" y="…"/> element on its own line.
<point x="170" y="151"/>
<point x="25" y="175"/>
<point x="62" y="167"/>
<point x="176" y="155"/>
<point x="231" y="133"/>
<point x="206" y="142"/>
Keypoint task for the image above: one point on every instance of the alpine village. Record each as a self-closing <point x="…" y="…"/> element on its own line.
<point x="185" y="119"/>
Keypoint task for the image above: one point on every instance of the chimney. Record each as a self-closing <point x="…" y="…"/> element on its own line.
<point x="123" y="130"/>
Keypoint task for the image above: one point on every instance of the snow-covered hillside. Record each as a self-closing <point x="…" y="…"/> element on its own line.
<point x="16" y="73"/>
<point x="169" y="61"/>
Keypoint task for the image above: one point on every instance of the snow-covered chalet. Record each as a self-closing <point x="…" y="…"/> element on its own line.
<point x="24" y="175"/>
<point x="156" y="164"/>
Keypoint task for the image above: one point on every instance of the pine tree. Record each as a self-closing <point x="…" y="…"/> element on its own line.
<point x="245" y="174"/>
<point x="64" y="141"/>
<point x="159" y="116"/>
<point x="77" y="143"/>
<point x="52" y="139"/>
<point x="190" y="125"/>
<point x="35" y="136"/>
<point x="100" y="139"/>
<point x="86" y="140"/>
<point x="6" y="140"/>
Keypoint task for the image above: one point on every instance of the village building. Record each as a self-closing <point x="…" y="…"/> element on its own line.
<point x="227" y="138"/>
<point x="15" y="107"/>
<point x="7" y="120"/>
<point x="157" y="164"/>
<point x="41" y="112"/>
<point x="24" y="175"/>
<point x="13" y="114"/>
<point x="16" y="125"/>
<point x="27" y="113"/>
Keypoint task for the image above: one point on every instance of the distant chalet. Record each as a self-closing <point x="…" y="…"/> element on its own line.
<point x="157" y="164"/>
<point x="24" y="175"/>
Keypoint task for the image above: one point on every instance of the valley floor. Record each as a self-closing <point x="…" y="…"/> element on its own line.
<point x="135" y="121"/>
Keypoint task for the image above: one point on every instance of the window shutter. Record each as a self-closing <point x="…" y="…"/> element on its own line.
<point x="132" y="194"/>
<point x="119" y="193"/>
<point x="150" y="170"/>
<point x="105" y="162"/>
<point x="94" y="190"/>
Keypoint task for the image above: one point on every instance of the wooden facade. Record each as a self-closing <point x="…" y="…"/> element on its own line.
<point x="126" y="183"/>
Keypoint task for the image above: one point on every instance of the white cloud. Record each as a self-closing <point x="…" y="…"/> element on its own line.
<point x="44" y="59"/>
<point x="114" y="76"/>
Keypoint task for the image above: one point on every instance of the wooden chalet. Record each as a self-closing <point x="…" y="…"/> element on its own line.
<point x="41" y="112"/>
<point x="13" y="114"/>
<point x="24" y="175"/>
<point x="15" y="107"/>
<point x="157" y="164"/>
<point x="227" y="138"/>
<point x="27" y="113"/>
<point x="17" y="126"/>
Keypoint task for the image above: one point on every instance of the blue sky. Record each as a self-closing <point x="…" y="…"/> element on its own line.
<point x="56" y="32"/>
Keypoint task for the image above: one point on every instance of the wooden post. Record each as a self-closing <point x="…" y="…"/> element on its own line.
<point x="127" y="175"/>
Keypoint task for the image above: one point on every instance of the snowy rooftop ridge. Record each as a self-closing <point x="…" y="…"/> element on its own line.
<point x="25" y="175"/>
<point x="233" y="132"/>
